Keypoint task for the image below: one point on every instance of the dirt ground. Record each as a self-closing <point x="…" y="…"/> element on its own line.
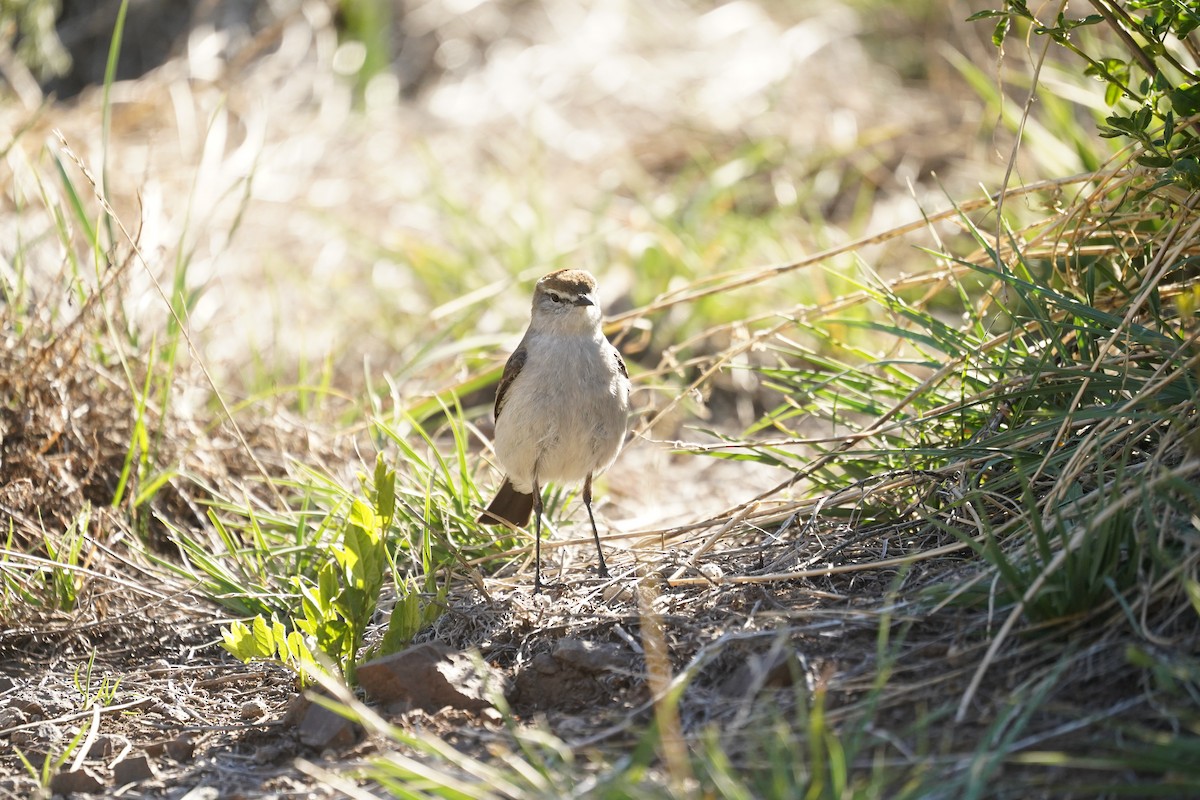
<point x="572" y="659"/>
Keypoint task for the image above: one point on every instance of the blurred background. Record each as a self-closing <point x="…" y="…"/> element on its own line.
<point x="321" y="179"/>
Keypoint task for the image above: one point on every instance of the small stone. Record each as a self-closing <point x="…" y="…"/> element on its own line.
<point x="181" y="747"/>
<point x="760" y="672"/>
<point x="32" y="709"/>
<point x="544" y="663"/>
<point x="427" y="676"/>
<point x="132" y="770"/>
<point x="590" y="656"/>
<point x="45" y="736"/>
<point x="617" y="591"/>
<point x="549" y="683"/>
<point x="109" y="744"/>
<point x="253" y="709"/>
<point x="203" y="793"/>
<point x="12" y="717"/>
<point x="268" y="754"/>
<point x="322" y="729"/>
<point x="81" y="780"/>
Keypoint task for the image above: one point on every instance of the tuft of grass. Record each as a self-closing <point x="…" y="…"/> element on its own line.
<point x="338" y="592"/>
<point x="50" y="764"/>
<point x="320" y="565"/>
<point x="1036" y="407"/>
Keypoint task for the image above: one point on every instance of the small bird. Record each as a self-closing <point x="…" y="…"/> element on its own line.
<point x="562" y="407"/>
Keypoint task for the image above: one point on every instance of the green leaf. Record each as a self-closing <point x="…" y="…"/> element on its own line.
<point x="1185" y="100"/>
<point x="247" y="643"/>
<point x="327" y="589"/>
<point x="233" y="637"/>
<point x="385" y="490"/>
<point x="1186" y="171"/>
<point x="403" y="624"/>
<point x="264" y="640"/>
<point x="1113" y="94"/>
<point x="1193" y="592"/>
<point x="1000" y="32"/>
<point x="1153" y="160"/>
<point x="279" y="638"/>
<point x="988" y="14"/>
<point x="363" y="516"/>
<point x="1090" y="19"/>
<point x="314" y="609"/>
<point x="1142" y="118"/>
<point x="297" y="648"/>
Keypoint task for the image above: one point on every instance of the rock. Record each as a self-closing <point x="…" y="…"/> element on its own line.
<point x="132" y="770"/>
<point x="544" y="664"/>
<point x="269" y="753"/>
<point x="108" y="745"/>
<point x="590" y="656"/>
<point x="81" y="780"/>
<point x="171" y="712"/>
<point x="759" y="672"/>
<point x="181" y="747"/>
<point x="31" y="708"/>
<point x="570" y="676"/>
<point x="253" y="709"/>
<point x="320" y="728"/>
<point x="429" y="677"/>
<point x="203" y="793"/>
<point x="41" y="739"/>
<point x="12" y="717"/>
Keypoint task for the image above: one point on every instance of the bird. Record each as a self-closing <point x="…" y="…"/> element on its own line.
<point x="562" y="406"/>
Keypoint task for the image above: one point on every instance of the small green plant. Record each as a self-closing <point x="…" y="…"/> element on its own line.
<point x="339" y="603"/>
<point x="15" y="583"/>
<point x="63" y="579"/>
<point x="269" y="641"/>
<point x="93" y="695"/>
<point x="1154" y="94"/>
<point x="338" y="608"/>
<point x="50" y="765"/>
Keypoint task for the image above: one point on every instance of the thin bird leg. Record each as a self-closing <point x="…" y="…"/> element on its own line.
<point x="587" y="501"/>
<point x="537" y="537"/>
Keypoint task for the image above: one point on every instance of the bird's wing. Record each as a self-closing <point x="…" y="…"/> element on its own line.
<point x="616" y="354"/>
<point x="512" y="368"/>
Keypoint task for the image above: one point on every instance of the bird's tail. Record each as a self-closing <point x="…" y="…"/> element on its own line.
<point x="509" y="505"/>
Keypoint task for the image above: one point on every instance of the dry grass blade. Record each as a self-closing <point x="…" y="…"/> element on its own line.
<point x="182" y="326"/>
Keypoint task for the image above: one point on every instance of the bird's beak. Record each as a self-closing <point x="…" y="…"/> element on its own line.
<point x="584" y="300"/>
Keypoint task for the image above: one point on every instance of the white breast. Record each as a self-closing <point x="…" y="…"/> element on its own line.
<point x="565" y="414"/>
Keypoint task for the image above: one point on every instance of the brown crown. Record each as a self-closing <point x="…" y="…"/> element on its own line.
<point x="572" y="281"/>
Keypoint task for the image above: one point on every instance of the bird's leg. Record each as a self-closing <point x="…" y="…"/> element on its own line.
<point x="587" y="502"/>
<point x="537" y="537"/>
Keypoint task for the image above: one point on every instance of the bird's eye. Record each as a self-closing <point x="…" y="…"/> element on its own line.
<point x="554" y="296"/>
